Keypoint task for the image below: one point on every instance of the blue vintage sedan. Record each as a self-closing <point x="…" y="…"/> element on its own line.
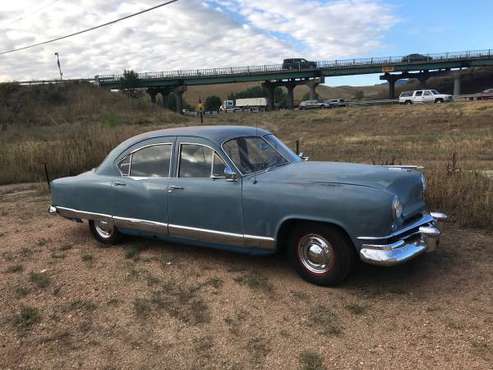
<point x="242" y="189"/>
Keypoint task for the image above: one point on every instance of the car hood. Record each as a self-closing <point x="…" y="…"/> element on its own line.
<point x="406" y="183"/>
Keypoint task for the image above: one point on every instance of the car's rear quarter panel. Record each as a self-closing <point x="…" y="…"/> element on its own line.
<point x="87" y="192"/>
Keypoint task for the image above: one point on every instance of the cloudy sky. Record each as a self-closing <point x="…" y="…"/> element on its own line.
<point x="193" y="34"/>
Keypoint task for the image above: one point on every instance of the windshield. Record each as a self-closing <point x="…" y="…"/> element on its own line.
<point x="254" y="153"/>
<point x="435" y="92"/>
<point x="282" y="148"/>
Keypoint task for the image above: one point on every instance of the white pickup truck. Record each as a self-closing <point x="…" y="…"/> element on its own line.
<point x="423" y="96"/>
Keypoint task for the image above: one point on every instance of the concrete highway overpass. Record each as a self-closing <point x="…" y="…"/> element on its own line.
<point x="392" y="69"/>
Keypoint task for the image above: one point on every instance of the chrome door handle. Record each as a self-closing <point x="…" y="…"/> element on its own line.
<point x="119" y="184"/>
<point x="175" y="187"/>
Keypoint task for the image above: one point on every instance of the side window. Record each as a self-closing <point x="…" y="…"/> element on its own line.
<point x="419" y="93"/>
<point x="124" y="166"/>
<point x="218" y="166"/>
<point x="427" y="93"/>
<point x="195" y="161"/>
<point x="151" y="161"/>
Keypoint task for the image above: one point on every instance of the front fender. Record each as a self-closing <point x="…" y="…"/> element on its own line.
<point x="359" y="210"/>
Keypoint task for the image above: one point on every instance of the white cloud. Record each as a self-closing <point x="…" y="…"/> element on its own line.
<point x="188" y="34"/>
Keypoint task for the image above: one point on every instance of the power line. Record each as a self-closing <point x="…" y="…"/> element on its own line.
<point x="87" y="29"/>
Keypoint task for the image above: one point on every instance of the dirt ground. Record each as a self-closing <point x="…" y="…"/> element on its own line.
<point x="67" y="302"/>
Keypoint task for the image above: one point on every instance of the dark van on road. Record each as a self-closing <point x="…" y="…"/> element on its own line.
<point x="298" y="63"/>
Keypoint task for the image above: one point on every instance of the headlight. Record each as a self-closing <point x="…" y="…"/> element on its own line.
<point x="397" y="207"/>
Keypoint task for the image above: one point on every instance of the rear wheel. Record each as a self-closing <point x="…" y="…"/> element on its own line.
<point x="408" y="102"/>
<point x="105" y="232"/>
<point x="438" y="101"/>
<point x="321" y="254"/>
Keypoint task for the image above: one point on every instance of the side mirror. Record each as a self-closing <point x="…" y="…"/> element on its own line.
<point x="302" y="156"/>
<point x="229" y="174"/>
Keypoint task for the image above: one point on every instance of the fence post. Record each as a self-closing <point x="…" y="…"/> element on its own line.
<point x="47" y="176"/>
<point x="297" y="147"/>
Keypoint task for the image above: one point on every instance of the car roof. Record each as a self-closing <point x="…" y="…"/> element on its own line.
<point x="217" y="133"/>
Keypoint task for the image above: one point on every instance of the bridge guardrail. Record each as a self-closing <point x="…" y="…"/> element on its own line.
<point x="321" y="65"/>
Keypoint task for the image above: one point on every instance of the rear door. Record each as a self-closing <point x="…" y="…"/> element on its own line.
<point x="203" y="204"/>
<point x="418" y="96"/>
<point x="140" y="194"/>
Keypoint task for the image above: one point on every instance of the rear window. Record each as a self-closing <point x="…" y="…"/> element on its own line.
<point x="150" y="161"/>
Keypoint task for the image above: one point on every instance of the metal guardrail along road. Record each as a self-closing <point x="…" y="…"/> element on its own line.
<point x="323" y="68"/>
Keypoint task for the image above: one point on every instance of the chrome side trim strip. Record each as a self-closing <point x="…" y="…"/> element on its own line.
<point x="208" y="235"/>
<point x="75" y="213"/>
<point x="258" y="237"/>
<point x="181" y="227"/>
<point x="426" y="219"/>
<point x="264" y="242"/>
<point x="144" y="225"/>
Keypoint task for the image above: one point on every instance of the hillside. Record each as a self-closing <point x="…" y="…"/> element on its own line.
<point x="325" y="92"/>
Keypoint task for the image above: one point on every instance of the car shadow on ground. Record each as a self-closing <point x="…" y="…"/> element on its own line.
<point x="410" y="277"/>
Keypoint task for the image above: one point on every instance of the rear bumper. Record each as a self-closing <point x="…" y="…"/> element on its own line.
<point x="403" y="245"/>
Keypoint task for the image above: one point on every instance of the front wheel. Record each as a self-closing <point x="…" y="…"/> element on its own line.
<point x="321" y="254"/>
<point x="438" y="101"/>
<point x="105" y="232"/>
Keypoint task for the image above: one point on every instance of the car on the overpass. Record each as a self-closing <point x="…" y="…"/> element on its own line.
<point x="242" y="189"/>
<point x="298" y="63"/>
<point x="486" y="94"/>
<point x="312" y="104"/>
<point x="416" y="58"/>
<point x="423" y="96"/>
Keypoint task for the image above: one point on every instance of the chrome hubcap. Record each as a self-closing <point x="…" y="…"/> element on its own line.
<point x="104" y="228"/>
<point x="316" y="253"/>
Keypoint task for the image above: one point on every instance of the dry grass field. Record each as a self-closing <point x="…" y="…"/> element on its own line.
<point x="65" y="301"/>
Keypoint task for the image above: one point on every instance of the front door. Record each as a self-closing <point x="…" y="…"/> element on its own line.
<point x="428" y="97"/>
<point x="204" y="205"/>
<point x="140" y="195"/>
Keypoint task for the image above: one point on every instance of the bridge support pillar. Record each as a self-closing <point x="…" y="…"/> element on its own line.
<point x="269" y="89"/>
<point x="152" y="93"/>
<point x="312" y="85"/>
<point x="178" y="91"/>
<point x="422" y="78"/>
<point x="422" y="82"/>
<point x="391" y="79"/>
<point x="392" y="88"/>
<point x="164" y="97"/>
<point x="457" y="83"/>
<point x="290" y="87"/>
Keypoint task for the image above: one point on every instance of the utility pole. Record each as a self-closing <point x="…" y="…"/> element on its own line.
<point x="58" y="64"/>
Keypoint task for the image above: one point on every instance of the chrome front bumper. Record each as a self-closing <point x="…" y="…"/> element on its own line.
<point x="423" y="235"/>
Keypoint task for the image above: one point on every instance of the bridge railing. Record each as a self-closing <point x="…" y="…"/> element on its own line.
<point x="324" y="64"/>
